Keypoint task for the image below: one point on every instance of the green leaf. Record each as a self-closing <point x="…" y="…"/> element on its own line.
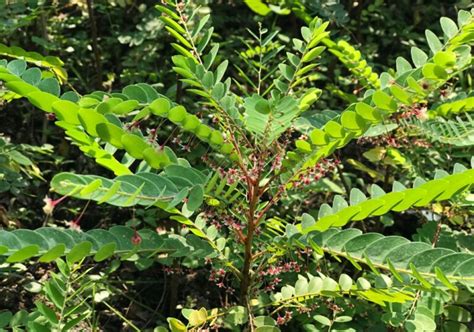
<point x="17" y="67"/>
<point x="413" y="84"/>
<point x="168" y="12"/>
<point x="345" y="282"/>
<point x="306" y="33"/>
<point x="363" y="284"/>
<point x="449" y="27"/>
<point x="177" y="114"/>
<point x="434" y="71"/>
<point x="322" y="320"/>
<point x="334" y="129"/>
<point x="237" y="315"/>
<point x="444" y="280"/>
<point x="191" y="122"/>
<point x="433" y="41"/>
<point x="181" y="50"/>
<point x="303" y="146"/>
<point x="198" y="317"/>
<point x="463" y="17"/>
<point x="384" y="101"/>
<point x="135" y="92"/>
<point x="301" y="286"/>
<point x="402" y="66"/>
<point x="105" y="252"/>
<point x="198" y="27"/>
<point x="258" y="7"/>
<point x="318" y="137"/>
<point x="220" y="70"/>
<point x="352" y="121"/>
<point x="78" y="252"/>
<point x="111" y="134"/>
<point x="66" y="111"/>
<point x="32" y="76"/>
<point x="313" y="54"/>
<point x="419" y="277"/>
<point x="75" y="321"/>
<point x="287" y="71"/>
<point x="134" y="145"/>
<point x="156" y="158"/>
<point x="23" y="254"/>
<point x="216" y="138"/>
<point x="418" y="56"/>
<point x="47" y="312"/>
<point x="195" y="198"/>
<point x="42" y="100"/>
<point x="400" y="94"/>
<point x="5" y="318"/>
<point x="208" y="80"/>
<point x="457" y="314"/>
<point x="265" y="328"/>
<point x="445" y="59"/>
<point x="264" y="321"/>
<point x="53" y="253"/>
<point x="263" y="106"/>
<point x="20" y="87"/>
<point x="343" y="319"/>
<point x="19" y="318"/>
<point x="90" y="119"/>
<point x="125" y="107"/>
<point x="54" y="294"/>
<point x="50" y="85"/>
<point x="176" y="325"/>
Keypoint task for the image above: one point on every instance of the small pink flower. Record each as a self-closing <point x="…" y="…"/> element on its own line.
<point x="75" y="224"/>
<point x="281" y="320"/>
<point x="49" y="205"/>
<point x="136" y="239"/>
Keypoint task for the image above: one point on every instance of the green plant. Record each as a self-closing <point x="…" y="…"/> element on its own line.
<point x="231" y="211"/>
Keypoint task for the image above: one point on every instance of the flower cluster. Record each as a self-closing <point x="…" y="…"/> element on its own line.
<point x="222" y="220"/>
<point x="272" y="272"/>
<point x="315" y="173"/>
<point x="277" y="163"/>
<point x="418" y="111"/>
<point x="217" y="276"/>
<point x="282" y="320"/>
<point x="169" y="270"/>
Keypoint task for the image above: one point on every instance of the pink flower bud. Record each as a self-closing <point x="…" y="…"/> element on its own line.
<point x="136" y="239"/>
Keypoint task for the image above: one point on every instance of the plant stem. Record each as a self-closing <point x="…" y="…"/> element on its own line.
<point x="253" y="195"/>
<point x="347" y="188"/>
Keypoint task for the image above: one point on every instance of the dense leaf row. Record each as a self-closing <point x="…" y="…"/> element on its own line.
<point x="428" y="264"/>
<point x="307" y="288"/>
<point x="458" y="131"/>
<point x="443" y="187"/>
<point x="176" y="184"/>
<point x="49" y="243"/>
<point x="96" y="116"/>
<point x="51" y="62"/>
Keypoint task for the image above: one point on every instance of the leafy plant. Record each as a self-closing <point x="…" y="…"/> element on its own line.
<point x="229" y="206"/>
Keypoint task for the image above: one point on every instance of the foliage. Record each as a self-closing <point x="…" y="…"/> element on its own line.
<point x="264" y="141"/>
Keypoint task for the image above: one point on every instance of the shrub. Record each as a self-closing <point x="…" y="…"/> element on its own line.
<point x="281" y="269"/>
